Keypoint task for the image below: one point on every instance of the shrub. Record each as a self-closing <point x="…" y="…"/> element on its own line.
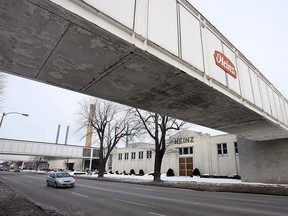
<point x="170" y="172"/>
<point x="141" y="172"/>
<point x="196" y="172"/>
<point x="132" y="172"/>
<point x="116" y="172"/>
<point x="124" y="173"/>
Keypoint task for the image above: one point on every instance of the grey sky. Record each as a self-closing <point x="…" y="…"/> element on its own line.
<point x="258" y="28"/>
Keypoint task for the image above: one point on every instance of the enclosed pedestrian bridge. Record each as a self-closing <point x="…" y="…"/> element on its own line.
<point x="49" y="150"/>
<point x="158" y="55"/>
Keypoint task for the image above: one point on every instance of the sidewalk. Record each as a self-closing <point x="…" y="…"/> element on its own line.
<point x="13" y="203"/>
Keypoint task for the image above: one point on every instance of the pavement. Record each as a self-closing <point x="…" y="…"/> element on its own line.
<point x="13" y="203"/>
<point x="252" y="188"/>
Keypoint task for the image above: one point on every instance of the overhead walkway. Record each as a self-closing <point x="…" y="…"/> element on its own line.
<point x="31" y="148"/>
<point x="159" y="55"/>
<point x="163" y="56"/>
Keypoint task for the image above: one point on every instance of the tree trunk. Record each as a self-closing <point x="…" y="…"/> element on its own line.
<point x="157" y="166"/>
<point x="101" y="162"/>
<point x="101" y="168"/>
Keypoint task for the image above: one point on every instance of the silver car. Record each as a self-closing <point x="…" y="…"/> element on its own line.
<point x="60" y="179"/>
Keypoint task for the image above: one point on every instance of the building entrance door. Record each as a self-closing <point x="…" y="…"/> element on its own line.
<point x="185" y="166"/>
<point x="70" y="166"/>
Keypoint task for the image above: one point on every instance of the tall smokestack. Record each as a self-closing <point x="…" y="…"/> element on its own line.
<point x="67" y="132"/>
<point x="90" y="127"/>
<point x="58" y="132"/>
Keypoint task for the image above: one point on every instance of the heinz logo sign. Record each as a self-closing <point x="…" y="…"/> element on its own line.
<point x="223" y="62"/>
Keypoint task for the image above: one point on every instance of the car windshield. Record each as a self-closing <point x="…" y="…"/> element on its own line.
<point x="62" y="175"/>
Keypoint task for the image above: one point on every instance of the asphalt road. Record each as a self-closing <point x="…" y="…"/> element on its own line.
<point x="90" y="197"/>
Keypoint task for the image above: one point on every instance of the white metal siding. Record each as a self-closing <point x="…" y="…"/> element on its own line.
<point x="256" y="89"/>
<point x="191" y="44"/>
<point x="233" y="83"/>
<point x="162" y="24"/>
<point x="140" y="26"/>
<point x="126" y="7"/>
<point x="272" y="102"/>
<point x="245" y="81"/>
<point x="212" y="43"/>
<point x="265" y="97"/>
<point x="286" y="111"/>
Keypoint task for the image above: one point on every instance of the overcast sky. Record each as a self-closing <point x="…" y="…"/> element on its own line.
<point x="258" y="28"/>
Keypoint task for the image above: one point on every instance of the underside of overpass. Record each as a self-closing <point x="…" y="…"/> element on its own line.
<point x="44" y="42"/>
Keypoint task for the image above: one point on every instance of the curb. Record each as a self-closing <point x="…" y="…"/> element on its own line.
<point x="267" y="189"/>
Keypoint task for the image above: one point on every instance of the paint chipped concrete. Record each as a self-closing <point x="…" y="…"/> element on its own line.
<point x="41" y="41"/>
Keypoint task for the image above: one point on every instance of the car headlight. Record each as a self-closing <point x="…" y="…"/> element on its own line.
<point x="60" y="181"/>
<point x="73" y="180"/>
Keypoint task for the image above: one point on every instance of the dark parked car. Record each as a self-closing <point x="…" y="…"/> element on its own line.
<point x="60" y="179"/>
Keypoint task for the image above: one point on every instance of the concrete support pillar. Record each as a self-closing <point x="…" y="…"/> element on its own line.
<point x="263" y="161"/>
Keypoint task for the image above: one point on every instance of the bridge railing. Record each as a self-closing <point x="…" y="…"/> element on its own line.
<point x="177" y="33"/>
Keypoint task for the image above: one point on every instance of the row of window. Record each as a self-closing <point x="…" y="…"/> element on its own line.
<point x="133" y="155"/>
<point x="221" y="149"/>
<point x="185" y="151"/>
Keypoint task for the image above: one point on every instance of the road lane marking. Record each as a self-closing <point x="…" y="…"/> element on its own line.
<point x="79" y="194"/>
<point x="189" y="202"/>
<point x="247" y="200"/>
<point x="153" y="213"/>
<point x="130" y="202"/>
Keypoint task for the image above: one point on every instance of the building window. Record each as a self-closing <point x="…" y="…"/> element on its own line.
<point x="222" y="149"/>
<point x="126" y="156"/>
<point x="186" y="150"/>
<point x="141" y="155"/>
<point x="236" y="147"/>
<point x="133" y="155"/>
<point x="120" y="156"/>
<point x="149" y="154"/>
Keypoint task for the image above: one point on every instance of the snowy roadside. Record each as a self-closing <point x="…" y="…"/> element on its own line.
<point x="197" y="183"/>
<point x="192" y="183"/>
<point x="13" y="203"/>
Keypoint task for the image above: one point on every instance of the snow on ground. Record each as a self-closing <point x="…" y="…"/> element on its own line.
<point x="147" y="177"/>
<point x="164" y="177"/>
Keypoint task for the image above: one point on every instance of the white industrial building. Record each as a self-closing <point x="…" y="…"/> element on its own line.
<point x="187" y="150"/>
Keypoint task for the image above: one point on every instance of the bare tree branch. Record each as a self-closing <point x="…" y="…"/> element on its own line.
<point x="158" y="126"/>
<point x="111" y="123"/>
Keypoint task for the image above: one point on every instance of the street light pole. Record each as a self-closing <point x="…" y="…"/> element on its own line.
<point x="4" y="114"/>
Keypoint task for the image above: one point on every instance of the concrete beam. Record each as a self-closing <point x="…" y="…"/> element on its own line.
<point x="44" y="42"/>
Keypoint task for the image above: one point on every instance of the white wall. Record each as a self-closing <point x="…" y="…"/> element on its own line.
<point x="205" y="155"/>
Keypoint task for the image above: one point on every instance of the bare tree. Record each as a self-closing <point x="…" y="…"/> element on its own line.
<point x="157" y="126"/>
<point x="38" y="161"/>
<point x="111" y="123"/>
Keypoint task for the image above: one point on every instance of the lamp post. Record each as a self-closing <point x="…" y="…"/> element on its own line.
<point x="4" y="114"/>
